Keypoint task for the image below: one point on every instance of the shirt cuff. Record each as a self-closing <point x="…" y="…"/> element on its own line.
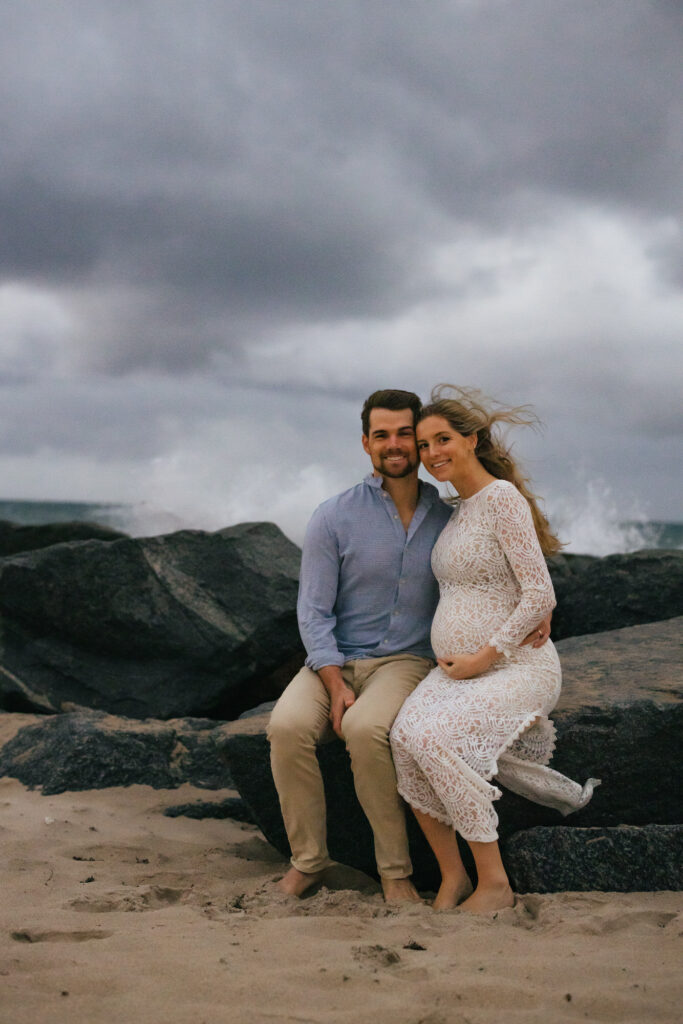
<point x="319" y="659"/>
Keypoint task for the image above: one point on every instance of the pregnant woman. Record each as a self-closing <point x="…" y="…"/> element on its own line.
<point x="483" y="711"/>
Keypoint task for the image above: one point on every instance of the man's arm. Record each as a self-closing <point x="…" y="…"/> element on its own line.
<point x="318" y="585"/>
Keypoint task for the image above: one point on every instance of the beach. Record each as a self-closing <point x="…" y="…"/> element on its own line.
<point x="112" y="912"/>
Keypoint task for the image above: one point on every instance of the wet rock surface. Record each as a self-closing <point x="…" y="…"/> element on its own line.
<point x="92" y="750"/>
<point x="15" y="538"/>
<point x="625" y="858"/>
<point x="599" y="594"/>
<point x="191" y="623"/>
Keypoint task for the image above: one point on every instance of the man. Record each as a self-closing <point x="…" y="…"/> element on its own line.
<point x="367" y="597"/>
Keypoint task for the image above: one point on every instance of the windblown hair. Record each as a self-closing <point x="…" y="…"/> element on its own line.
<point x="469" y="412"/>
<point x="393" y="400"/>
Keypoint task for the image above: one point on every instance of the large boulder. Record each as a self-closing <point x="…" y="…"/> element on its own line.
<point x="191" y="623"/>
<point x="598" y="594"/>
<point x="625" y="858"/>
<point x="93" y="750"/>
<point x="619" y="719"/>
<point x="15" y="538"/>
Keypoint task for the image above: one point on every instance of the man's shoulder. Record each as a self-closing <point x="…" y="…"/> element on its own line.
<point x="441" y="508"/>
<point x="345" y="500"/>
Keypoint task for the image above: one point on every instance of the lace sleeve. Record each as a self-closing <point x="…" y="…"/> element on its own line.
<point x="510" y="517"/>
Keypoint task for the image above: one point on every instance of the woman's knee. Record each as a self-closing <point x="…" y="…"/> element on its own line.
<point x="402" y="737"/>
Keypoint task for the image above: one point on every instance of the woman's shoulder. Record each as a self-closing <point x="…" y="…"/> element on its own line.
<point x="496" y="488"/>
<point x="502" y="494"/>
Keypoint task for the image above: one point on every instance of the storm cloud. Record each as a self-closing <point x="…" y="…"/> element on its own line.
<point x="222" y="224"/>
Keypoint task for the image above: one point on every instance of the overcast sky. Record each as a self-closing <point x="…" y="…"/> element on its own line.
<point x="224" y="223"/>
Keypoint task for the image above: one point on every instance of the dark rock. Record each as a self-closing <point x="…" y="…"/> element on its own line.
<point x="231" y="807"/>
<point x="197" y="623"/>
<point x="598" y="594"/>
<point x="260" y="709"/>
<point x="619" y="719"/>
<point x="621" y="859"/>
<point x="15" y="538"/>
<point x="191" y="623"/>
<point x="93" y="750"/>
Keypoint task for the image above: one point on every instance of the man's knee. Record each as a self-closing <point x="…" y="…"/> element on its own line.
<point x="286" y="729"/>
<point x="361" y="734"/>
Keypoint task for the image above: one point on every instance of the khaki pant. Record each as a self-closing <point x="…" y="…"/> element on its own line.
<point x="299" y="722"/>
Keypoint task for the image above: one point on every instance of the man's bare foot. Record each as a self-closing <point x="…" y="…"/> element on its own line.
<point x="452" y="892"/>
<point x="296" y="883"/>
<point x="400" y="890"/>
<point x="486" y="899"/>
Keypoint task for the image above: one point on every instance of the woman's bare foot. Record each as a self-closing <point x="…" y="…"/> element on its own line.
<point x="296" y="883"/>
<point x="486" y="899"/>
<point x="452" y="892"/>
<point x="400" y="890"/>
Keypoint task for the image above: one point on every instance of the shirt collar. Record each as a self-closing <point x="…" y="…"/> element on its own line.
<point x="426" y="492"/>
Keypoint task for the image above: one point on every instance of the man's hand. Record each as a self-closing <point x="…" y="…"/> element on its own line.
<point x="341" y="695"/>
<point x="340" y="701"/>
<point x="540" y="635"/>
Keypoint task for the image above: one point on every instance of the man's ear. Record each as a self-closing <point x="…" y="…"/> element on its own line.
<point x="366" y="444"/>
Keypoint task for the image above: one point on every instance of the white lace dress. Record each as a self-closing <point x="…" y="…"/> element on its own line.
<point x="452" y="737"/>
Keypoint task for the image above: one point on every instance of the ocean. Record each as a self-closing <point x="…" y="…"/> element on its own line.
<point x="598" y="534"/>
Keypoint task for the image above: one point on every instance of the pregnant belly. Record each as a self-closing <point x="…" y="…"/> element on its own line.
<point x="464" y="624"/>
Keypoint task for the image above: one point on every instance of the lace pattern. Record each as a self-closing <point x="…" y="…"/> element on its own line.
<point x="452" y="737"/>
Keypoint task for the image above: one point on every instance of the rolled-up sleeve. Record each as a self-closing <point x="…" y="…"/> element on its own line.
<point x="318" y="587"/>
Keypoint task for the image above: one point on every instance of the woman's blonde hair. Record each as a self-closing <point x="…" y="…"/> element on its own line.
<point x="469" y="412"/>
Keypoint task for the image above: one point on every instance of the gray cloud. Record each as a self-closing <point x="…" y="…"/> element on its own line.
<point x="218" y="210"/>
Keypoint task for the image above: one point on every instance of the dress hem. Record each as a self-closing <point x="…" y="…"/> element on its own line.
<point x="447" y="821"/>
<point x="526" y="722"/>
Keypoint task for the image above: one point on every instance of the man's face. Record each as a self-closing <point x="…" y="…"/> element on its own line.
<point x="391" y="442"/>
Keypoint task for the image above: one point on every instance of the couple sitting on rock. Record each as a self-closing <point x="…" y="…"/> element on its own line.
<point x="435" y="734"/>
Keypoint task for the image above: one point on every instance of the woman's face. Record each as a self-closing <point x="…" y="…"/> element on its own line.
<point x="443" y="451"/>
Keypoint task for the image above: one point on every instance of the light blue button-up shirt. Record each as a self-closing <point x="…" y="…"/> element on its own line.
<point x="366" y="588"/>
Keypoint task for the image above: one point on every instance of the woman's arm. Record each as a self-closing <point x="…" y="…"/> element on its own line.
<point x="510" y="517"/>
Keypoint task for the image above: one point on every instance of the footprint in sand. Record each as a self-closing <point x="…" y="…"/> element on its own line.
<point x="29" y="935"/>
<point x="375" y="956"/>
<point x="149" y="897"/>
<point x="618" y="920"/>
<point x="118" y="854"/>
<point x="586" y="915"/>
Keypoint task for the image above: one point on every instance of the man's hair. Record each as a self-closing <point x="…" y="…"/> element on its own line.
<point x="393" y="400"/>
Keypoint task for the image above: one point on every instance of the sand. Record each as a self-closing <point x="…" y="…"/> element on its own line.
<point x="112" y="913"/>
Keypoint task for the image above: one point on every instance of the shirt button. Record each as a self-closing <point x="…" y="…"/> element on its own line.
<point x="395" y="517"/>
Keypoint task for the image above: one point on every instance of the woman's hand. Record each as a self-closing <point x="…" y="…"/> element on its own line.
<point x="466" y="666"/>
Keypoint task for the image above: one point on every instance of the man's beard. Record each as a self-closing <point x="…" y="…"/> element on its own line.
<point x="397" y="474"/>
